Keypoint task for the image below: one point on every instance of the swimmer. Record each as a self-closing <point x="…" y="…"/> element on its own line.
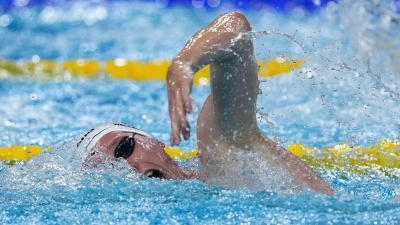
<point x="226" y="123"/>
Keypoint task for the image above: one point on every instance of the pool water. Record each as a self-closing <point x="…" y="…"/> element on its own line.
<point x="347" y="91"/>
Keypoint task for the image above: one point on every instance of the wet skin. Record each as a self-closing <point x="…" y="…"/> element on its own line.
<point x="228" y="117"/>
<point x="148" y="156"/>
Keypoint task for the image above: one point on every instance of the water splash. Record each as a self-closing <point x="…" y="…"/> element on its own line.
<point x="262" y="34"/>
<point x="353" y="79"/>
<point x="62" y="193"/>
<point x="62" y="168"/>
<point x="373" y="29"/>
<point x="247" y="169"/>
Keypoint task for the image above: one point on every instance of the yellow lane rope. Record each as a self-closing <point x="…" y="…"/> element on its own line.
<point x="177" y="154"/>
<point x="381" y="156"/>
<point x="124" y="69"/>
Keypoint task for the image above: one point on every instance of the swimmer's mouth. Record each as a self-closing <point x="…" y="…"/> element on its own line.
<point x="155" y="174"/>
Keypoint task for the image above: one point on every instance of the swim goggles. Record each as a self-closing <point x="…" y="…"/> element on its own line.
<point x="125" y="147"/>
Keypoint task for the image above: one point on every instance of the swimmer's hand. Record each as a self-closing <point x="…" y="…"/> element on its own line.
<point x="179" y="83"/>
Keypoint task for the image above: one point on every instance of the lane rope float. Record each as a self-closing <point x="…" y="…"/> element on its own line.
<point x="358" y="159"/>
<point x="344" y="157"/>
<point x="120" y="68"/>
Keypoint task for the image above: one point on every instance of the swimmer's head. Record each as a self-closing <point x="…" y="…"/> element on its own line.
<point x="112" y="141"/>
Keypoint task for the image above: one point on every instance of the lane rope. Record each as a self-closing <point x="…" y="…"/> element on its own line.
<point x="381" y="156"/>
<point x="385" y="154"/>
<point x="120" y="68"/>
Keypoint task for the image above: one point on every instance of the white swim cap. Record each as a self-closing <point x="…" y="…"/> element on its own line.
<point x="89" y="140"/>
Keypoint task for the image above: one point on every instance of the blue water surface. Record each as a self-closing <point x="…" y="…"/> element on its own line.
<point x="346" y="91"/>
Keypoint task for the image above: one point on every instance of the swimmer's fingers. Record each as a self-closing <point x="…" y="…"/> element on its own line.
<point x="175" y="138"/>
<point x="186" y="88"/>
<point x="184" y="103"/>
<point x="179" y="122"/>
<point x="179" y="81"/>
<point x="184" y="126"/>
<point x="175" y="127"/>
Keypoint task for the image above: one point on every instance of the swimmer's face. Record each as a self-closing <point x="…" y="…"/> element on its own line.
<point x="147" y="156"/>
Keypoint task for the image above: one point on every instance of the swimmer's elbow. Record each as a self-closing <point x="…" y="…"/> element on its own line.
<point x="238" y="22"/>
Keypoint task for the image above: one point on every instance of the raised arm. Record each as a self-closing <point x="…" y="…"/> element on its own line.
<point x="225" y="46"/>
<point x="227" y="120"/>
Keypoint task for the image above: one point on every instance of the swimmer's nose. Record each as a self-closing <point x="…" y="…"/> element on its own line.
<point x="140" y="169"/>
